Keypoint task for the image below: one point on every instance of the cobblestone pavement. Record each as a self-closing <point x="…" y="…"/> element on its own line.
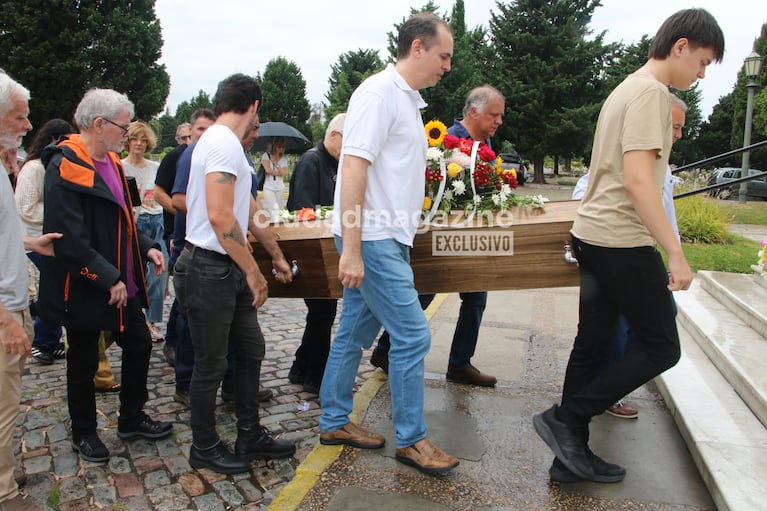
<point x="143" y="474"/>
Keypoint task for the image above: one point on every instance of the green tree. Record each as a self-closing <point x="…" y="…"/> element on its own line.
<point x="714" y="137"/>
<point x="469" y="65"/>
<point x="284" y="91"/>
<point x="185" y="109"/>
<point x="346" y="75"/>
<point x="551" y="75"/>
<point x="58" y="51"/>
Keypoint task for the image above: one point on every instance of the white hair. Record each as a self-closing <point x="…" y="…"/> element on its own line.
<point x="479" y="97"/>
<point x="104" y="103"/>
<point x="336" y="124"/>
<point x="10" y="89"/>
<point x="676" y="100"/>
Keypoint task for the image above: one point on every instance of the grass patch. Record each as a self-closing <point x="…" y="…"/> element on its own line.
<point x="566" y="182"/>
<point x="736" y="255"/>
<point x="752" y="212"/>
<point x="707" y="242"/>
<point x="54" y="495"/>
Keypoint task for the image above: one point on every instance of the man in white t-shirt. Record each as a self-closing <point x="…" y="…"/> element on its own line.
<point x="220" y="286"/>
<point x="378" y="199"/>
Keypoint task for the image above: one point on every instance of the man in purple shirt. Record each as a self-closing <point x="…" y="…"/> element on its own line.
<point x="96" y="281"/>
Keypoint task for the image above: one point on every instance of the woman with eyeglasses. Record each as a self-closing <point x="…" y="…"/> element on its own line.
<point x="149" y="220"/>
<point x="276" y="168"/>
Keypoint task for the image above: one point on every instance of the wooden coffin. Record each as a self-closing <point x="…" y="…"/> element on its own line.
<point x="445" y="258"/>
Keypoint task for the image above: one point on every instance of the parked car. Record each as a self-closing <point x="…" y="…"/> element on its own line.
<point x="756" y="187"/>
<point x="512" y="160"/>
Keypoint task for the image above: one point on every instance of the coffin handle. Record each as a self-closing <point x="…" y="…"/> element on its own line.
<point x="569" y="257"/>
<point x="293" y="268"/>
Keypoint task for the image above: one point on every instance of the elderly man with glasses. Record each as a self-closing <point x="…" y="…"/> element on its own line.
<point x="96" y="281"/>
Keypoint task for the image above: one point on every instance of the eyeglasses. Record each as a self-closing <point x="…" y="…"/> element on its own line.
<point x="185" y="137"/>
<point x="125" y="129"/>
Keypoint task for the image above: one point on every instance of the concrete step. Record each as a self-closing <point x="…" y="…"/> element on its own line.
<point x="726" y="440"/>
<point x="743" y="294"/>
<point x="738" y="352"/>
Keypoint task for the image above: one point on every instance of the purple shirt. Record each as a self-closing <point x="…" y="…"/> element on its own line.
<point x="108" y="173"/>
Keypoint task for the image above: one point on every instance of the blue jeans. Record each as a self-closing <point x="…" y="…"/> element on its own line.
<point x="387" y="297"/>
<point x="152" y="226"/>
<point x="47" y="333"/>
<point x="466" y="329"/>
<point x="218" y="302"/>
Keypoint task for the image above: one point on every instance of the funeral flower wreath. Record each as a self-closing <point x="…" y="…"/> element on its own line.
<point x="465" y="174"/>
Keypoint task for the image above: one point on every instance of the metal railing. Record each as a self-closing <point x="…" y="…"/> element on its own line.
<point x="718" y="158"/>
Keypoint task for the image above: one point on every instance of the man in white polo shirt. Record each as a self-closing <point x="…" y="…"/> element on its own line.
<point x="378" y="199"/>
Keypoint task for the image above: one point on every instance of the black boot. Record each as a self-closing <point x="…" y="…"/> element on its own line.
<point x="257" y="443"/>
<point x="218" y="459"/>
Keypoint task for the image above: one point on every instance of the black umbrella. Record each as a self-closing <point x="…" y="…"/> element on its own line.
<point x="295" y="141"/>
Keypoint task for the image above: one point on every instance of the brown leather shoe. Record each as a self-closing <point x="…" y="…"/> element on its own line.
<point x="470" y="375"/>
<point x="427" y="457"/>
<point x="381" y="360"/>
<point x="352" y="434"/>
<point x="622" y="411"/>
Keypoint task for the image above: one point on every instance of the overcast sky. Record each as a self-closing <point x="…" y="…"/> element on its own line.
<point x="205" y="44"/>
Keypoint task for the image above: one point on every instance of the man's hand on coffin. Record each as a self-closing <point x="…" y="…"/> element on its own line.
<point x="282" y="271"/>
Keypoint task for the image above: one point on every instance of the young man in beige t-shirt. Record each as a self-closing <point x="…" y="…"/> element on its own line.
<point x="617" y="226"/>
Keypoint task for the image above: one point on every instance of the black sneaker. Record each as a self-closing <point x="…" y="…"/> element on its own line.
<point x="147" y="428"/>
<point x="42" y="356"/>
<point x="568" y="445"/>
<point x="604" y="472"/>
<point x="91" y="448"/>
<point x="259" y="444"/>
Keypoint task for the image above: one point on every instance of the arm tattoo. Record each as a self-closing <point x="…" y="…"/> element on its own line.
<point x="235" y="234"/>
<point x="225" y="178"/>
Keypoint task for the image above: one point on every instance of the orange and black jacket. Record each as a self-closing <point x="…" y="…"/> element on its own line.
<point x="98" y="236"/>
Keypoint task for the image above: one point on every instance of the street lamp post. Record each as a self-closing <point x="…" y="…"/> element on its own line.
<point x="753" y="64"/>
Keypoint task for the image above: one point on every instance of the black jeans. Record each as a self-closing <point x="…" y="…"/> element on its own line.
<point x="628" y="281"/>
<point x="312" y="355"/>
<point x="218" y="302"/>
<point x="83" y="360"/>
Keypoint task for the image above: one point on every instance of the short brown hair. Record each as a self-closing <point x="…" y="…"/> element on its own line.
<point x="698" y="26"/>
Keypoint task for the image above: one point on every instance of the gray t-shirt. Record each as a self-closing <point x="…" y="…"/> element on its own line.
<point x="14" y="293"/>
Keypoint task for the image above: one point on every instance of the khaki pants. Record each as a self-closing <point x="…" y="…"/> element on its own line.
<point x="104" y="378"/>
<point x="11" y="367"/>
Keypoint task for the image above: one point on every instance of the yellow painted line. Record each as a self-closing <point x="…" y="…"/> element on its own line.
<point x="322" y="456"/>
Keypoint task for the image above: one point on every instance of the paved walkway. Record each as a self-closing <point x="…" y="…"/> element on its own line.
<point x="525" y="341"/>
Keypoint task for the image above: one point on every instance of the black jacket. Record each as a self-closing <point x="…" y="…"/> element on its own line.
<point x="314" y="179"/>
<point x="99" y="235"/>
